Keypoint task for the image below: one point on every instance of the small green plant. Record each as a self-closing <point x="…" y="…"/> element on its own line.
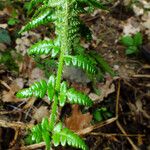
<point x="132" y="43"/>
<point x="101" y="114"/>
<point x="64" y="14"/>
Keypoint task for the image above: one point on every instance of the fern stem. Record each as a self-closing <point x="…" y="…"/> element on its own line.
<point x="64" y="48"/>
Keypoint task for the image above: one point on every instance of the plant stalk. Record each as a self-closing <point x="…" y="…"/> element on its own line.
<point x="64" y="47"/>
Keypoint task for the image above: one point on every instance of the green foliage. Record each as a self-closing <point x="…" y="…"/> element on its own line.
<point x="12" y="21"/>
<point x="7" y="59"/>
<point x="76" y="97"/>
<point x="102" y="63"/>
<point x="83" y="62"/>
<point x="4" y="36"/>
<point x="42" y="19"/>
<point x="38" y="89"/>
<point x="44" y="47"/>
<point x="64" y="14"/>
<point x="101" y="114"/>
<point x="132" y="43"/>
<point x="65" y="136"/>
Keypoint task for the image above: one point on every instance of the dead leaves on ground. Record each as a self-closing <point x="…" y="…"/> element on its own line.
<point x="105" y="89"/>
<point x="78" y="121"/>
<point x="9" y="96"/>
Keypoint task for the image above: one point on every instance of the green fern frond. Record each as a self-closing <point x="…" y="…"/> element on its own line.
<point x="33" y="3"/>
<point x="89" y="65"/>
<point x="54" y="3"/>
<point x="37" y="133"/>
<point x="38" y="89"/>
<point x="75" y="97"/>
<point x="40" y="132"/>
<point x="41" y="19"/>
<point x="65" y="136"/>
<point x="62" y="95"/>
<point x="44" y="47"/>
<point x="51" y="87"/>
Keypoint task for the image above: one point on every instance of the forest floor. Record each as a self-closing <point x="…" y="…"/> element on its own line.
<point x="120" y="116"/>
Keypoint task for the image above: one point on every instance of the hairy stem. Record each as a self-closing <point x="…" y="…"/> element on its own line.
<point x="64" y="48"/>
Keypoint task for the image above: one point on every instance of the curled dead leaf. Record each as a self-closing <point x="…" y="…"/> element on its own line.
<point x="9" y="96"/>
<point x="78" y="121"/>
<point x="40" y="113"/>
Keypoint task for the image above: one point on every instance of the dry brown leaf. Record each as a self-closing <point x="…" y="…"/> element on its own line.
<point x="78" y="121"/>
<point x="40" y="113"/>
<point x="106" y="89"/>
<point x="9" y="96"/>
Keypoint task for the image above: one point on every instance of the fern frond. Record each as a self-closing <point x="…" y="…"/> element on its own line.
<point x="51" y="87"/>
<point x="65" y="136"/>
<point x="33" y="3"/>
<point x="62" y="95"/>
<point x="54" y="3"/>
<point x="44" y="47"/>
<point x="37" y="133"/>
<point x="75" y="97"/>
<point x="40" y="132"/>
<point x="41" y="19"/>
<point x="38" y="89"/>
<point x="89" y="65"/>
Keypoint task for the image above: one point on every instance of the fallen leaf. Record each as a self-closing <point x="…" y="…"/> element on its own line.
<point x="78" y="121"/>
<point x="9" y="96"/>
<point x="40" y="113"/>
<point x="131" y="26"/>
<point x="106" y="89"/>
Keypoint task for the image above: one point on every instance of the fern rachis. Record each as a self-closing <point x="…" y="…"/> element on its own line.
<point x="65" y="16"/>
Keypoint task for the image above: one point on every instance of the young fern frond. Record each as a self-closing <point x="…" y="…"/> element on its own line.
<point x="44" y="47"/>
<point x="65" y="14"/>
<point x="75" y="97"/>
<point x="51" y="87"/>
<point x="62" y="95"/>
<point x="41" y="133"/>
<point x="82" y="62"/>
<point x="34" y="3"/>
<point x="42" y="19"/>
<point x="65" y="136"/>
<point x="38" y="89"/>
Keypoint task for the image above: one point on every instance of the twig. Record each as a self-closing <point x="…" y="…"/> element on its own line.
<point x="5" y="84"/>
<point x="141" y="76"/>
<point x="20" y="125"/>
<point x="117" y="99"/>
<point x="99" y="125"/>
<point x="33" y="146"/>
<point x="116" y="134"/>
<point x="128" y="138"/>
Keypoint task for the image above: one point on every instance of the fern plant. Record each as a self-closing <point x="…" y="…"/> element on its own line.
<point x="64" y="14"/>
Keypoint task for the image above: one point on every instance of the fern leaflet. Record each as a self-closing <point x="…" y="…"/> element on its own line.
<point x="41" y="19"/>
<point x="76" y="97"/>
<point x="65" y="136"/>
<point x="38" y="89"/>
<point x="44" y="47"/>
<point x="81" y="61"/>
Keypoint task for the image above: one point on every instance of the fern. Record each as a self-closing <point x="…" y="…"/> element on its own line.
<point x="38" y="89"/>
<point x="65" y="136"/>
<point x="65" y="15"/>
<point x="76" y="97"/>
<point x="44" y="47"/>
<point x="43" y="18"/>
<point x="82" y="62"/>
